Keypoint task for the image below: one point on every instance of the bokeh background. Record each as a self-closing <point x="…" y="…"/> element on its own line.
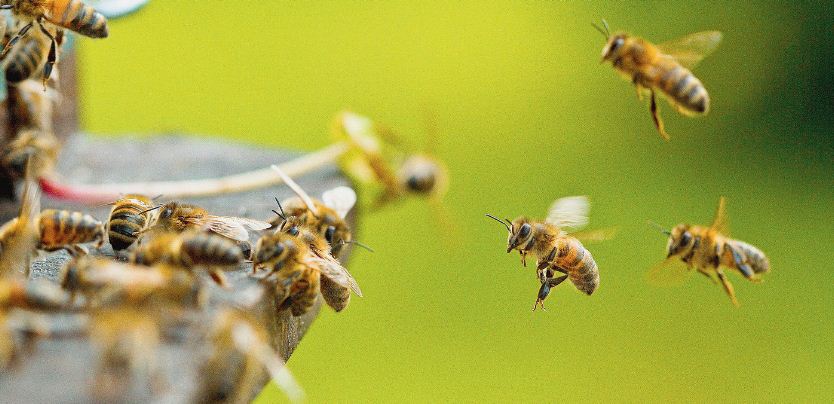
<point x="525" y="114"/>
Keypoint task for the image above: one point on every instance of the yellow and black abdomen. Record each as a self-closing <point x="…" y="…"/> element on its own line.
<point x="210" y="249"/>
<point x="79" y="17"/>
<point x="577" y="261"/>
<point x="750" y="256"/>
<point x="125" y="222"/>
<point x="682" y="87"/>
<point x="27" y="58"/>
<point x="62" y="228"/>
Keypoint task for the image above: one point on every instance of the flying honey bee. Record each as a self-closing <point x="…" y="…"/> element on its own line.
<point x="189" y="250"/>
<point x="70" y="14"/>
<point x="376" y="160"/>
<point x="555" y="249"/>
<point x="114" y="281"/>
<point x="31" y="120"/>
<point x="130" y="216"/>
<point x="709" y="250"/>
<point x="240" y="350"/>
<point x="29" y="56"/>
<point x="664" y="67"/>
<point x="178" y="217"/>
<point x="127" y="339"/>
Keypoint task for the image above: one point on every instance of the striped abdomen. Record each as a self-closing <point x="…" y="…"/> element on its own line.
<point x="683" y="87"/>
<point x="128" y="217"/>
<point x="79" y="17"/>
<point x="751" y="256"/>
<point x="28" y="57"/>
<point x="210" y="249"/>
<point x="335" y="295"/>
<point x="61" y="228"/>
<point x="572" y="257"/>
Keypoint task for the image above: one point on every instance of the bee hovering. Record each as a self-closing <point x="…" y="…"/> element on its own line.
<point x="70" y="14"/>
<point x="708" y="250"/>
<point x="664" y="67"/>
<point x="554" y="248"/>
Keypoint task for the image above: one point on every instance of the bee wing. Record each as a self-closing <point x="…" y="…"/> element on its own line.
<point x="669" y="272"/>
<point x="334" y="271"/>
<point x="341" y="199"/>
<point x="721" y="222"/>
<point x="224" y="226"/>
<point x="596" y="235"/>
<point x="23" y="239"/>
<point x="689" y="50"/>
<point x="295" y="188"/>
<point x="569" y="213"/>
<point x="359" y="130"/>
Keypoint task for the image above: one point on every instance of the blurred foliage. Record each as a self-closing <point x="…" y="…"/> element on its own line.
<point x="526" y="114"/>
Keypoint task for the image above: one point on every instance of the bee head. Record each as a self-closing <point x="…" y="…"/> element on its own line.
<point x="614" y="47"/>
<point x="420" y="174"/>
<point x="520" y="232"/>
<point x="680" y="240"/>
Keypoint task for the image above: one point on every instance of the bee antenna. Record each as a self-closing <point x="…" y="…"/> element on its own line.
<point x="148" y="210"/>
<point x="500" y="221"/>
<point x="282" y="215"/>
<point x="659" y="227"/>
<point x="359" y="244"/>
<point x="606" y="32"/>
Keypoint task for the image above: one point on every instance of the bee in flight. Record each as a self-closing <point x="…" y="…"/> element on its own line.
<point x="70" y="14"/>
<point x="708" y="250"/>
<point x="664" y="67"/>
<point x="555" y="248"/>
<point x="177" y="217"/>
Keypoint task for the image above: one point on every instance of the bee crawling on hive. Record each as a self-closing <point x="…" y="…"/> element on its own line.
<point x="299" y="263"/>
<point x="46" y="14"/>
<point x="664" y="67"/>
<point x="240" y="350"/>
<point x="555" y="249"/>
<point x="709" y="250"/>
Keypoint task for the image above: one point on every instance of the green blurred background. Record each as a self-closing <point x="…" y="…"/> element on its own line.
<point x="526" y="114"/>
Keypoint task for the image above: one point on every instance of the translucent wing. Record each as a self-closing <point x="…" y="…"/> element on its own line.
<point x="596" y="235"/>
<point x="569" y="213"/>
<point x="721" y="223"/>
<point x="340" y="199"/>
<point x="360" y="131"/>
<point x="669" y="272"/>
<point x="689" y="50"/>
<point x="334" y="271"/>
<point x="226" y="227"/>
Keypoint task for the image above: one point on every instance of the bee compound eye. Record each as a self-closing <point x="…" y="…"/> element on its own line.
<point x="329" y="234"/>
<point x="524" y="231"/>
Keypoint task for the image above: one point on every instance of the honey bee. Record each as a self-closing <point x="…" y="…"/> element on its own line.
<point x="240" y="352"/>
<point x="29" y="56"/>
<point x="121" y="282"/>
<point x="419" y="173"/>
<point x="709" y="250"/>
<point x="178" y="217"/>
<point x="19" y="236"/>
<point x="127" y="339"/>
<point x="36" y="295"/>
<point x="664" y="67"/>
<point x="554" y="248"/>
<point x="190" y="250"/>
<point x="31" y="119"/>
<point x="70" y="14"/>
<point x="325" y="217"/>
<point x="130" y="216"/>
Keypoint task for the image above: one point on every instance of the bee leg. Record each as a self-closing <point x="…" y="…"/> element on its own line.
<point x="636" y="81"/>
<point x="20" y="34"/>
<point x="523" y="258"/>
<point x="742" y="266"/>
<point x="544" y="290"/>
<point x="706" y="273"/>
<point x="658" y="123"/>
<point x="728" y="287"/>
<point x="53" y="55"/>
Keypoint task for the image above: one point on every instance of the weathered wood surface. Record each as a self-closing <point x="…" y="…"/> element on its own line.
<point x="62" y="370"/>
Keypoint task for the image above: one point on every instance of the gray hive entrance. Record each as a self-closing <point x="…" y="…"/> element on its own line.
<point x="62" y="370"/>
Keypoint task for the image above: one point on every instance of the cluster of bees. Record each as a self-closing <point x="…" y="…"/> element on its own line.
<point x="560" y="254"/>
